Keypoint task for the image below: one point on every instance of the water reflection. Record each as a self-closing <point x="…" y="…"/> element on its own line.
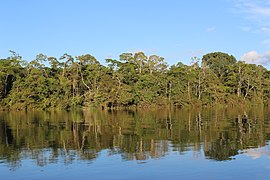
<point x="50" y="137"/>
<point x="256" y="153"/>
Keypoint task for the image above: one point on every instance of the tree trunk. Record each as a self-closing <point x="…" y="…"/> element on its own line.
<point x="239" y="83"/>
<point x="188" y="90"/>
<point x="6" y="82"/>
<point x="199" y="88"/>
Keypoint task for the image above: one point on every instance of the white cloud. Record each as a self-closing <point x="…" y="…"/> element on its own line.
<point x="253" y="57"/>
<point x="211" y="29"/>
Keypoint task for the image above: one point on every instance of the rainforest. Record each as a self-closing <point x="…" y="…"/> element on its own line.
<point x="134" y="80"/>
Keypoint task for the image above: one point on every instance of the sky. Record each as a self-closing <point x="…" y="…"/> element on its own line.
<point x="174" y="29"/>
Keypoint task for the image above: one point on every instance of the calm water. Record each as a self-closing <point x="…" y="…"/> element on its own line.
<point x="207" y="144"/>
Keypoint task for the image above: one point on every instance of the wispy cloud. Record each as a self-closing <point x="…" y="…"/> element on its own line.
<point x="145" y="50"/>
<point x="195" y="53"/>
<point x="246" y="28"/>
<point x="266" y="42"/>
<point x="255" y="10"/>
<point x="265" y="29"/>
<point x="211" y="29"/>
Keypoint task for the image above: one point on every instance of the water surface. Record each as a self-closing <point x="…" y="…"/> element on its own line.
<point x="176" y="144"/>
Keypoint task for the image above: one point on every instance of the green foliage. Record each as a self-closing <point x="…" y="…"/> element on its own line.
<point x="132" y="80"/>
<point x="219" y="63"/>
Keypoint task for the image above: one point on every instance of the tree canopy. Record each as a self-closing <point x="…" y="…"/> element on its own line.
<point x="133" y="80"/>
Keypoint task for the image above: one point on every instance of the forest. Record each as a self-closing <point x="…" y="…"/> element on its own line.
<point x="135" y="80"/>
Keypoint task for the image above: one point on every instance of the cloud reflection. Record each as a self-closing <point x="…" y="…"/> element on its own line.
<point x="258" y="152"/>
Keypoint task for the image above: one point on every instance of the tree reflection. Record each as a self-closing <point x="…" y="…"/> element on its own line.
<point x="48" y="137"/>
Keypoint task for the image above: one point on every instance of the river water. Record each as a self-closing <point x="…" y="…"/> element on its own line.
<point x="161" y="144"/>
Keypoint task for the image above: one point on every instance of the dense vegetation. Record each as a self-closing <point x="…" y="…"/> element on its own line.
<point x="134" y="80"/>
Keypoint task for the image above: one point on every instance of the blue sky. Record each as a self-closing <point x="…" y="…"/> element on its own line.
<point x="174" y="29"/>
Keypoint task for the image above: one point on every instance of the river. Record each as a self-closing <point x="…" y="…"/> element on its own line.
<point x="144" y="144"/>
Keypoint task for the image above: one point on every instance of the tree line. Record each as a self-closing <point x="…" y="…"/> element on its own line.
<point x="133" y="80"/>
